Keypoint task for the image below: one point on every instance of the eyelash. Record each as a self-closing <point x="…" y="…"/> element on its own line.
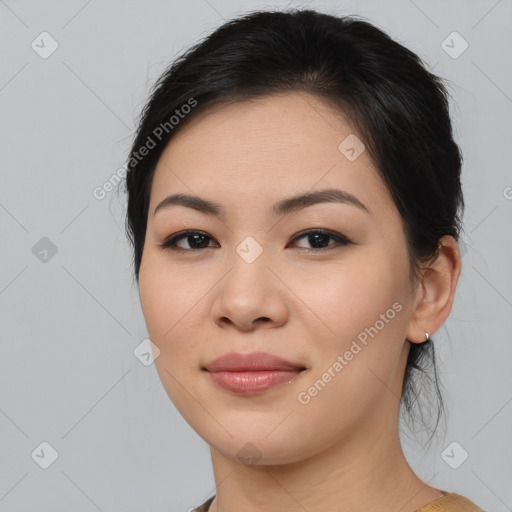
<point x="170" y="243"/>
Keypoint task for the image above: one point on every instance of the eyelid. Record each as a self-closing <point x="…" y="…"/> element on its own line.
<point x="323" y="231"/>
<point x="169" y="242"/>
<point x="340" y="240"/>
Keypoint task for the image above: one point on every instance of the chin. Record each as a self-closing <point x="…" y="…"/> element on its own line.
<point x="259" y="452"/>
<point x="252" y="444"/>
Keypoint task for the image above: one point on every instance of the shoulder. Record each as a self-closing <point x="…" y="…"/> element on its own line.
<point x="205" y="506"/>
<point x="451" y="502"/>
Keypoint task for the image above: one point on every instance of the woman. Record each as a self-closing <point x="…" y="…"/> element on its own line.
<point x="294" y="205"/>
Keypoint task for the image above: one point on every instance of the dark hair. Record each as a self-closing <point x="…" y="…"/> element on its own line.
<point x="398" y="108"/>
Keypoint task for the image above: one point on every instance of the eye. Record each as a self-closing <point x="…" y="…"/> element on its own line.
<point x="319" y="238"/>
<point x="198" y="240"/>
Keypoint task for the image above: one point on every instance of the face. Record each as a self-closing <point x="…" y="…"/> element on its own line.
<point x="322" y="284"/>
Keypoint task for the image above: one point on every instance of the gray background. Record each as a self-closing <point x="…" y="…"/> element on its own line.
<point x="70" y="321"/>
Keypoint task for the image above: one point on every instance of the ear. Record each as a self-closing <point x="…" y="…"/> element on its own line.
<point x="436" y="290"/>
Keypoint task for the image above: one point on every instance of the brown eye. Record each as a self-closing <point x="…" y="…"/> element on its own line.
<point x="198" y="240"/>
<point x="195" y="239"/>
<point x="319" y="239"/>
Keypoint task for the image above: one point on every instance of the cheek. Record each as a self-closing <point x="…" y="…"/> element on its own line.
<point x="171" y="300"/>
<point x="351" y="297"/>
<point x="356" y="367"/>
<point x="155" y="299"/>
<point x="363" y="311"/>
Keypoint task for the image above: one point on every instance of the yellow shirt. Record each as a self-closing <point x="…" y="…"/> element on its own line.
<point x="450" y="502"/>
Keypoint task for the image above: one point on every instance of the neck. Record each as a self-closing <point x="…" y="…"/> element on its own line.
<point x="365" y="471"/>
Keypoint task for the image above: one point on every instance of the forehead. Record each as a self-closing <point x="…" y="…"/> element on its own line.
<point x="268" y="147"/>
<point x="291" y="122"/>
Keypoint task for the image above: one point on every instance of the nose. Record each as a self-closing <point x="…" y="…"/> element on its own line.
<point x="250" y="296"/>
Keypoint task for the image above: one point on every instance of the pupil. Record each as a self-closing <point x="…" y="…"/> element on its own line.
<point x="316" y="237"/>
<point x="196" y="237"/>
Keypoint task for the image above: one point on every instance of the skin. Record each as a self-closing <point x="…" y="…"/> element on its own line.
<point x="341" y="450"/>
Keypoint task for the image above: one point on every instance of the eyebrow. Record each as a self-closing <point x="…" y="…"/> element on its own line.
<point x="282" y="207"/>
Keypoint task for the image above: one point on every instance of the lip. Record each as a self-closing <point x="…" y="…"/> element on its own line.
<point x="252" y="362"/>
<point x="251" y="373"/>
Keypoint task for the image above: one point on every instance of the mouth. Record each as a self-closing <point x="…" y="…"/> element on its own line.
<point x="249" y="383"/>
<point x="248" y="374"/>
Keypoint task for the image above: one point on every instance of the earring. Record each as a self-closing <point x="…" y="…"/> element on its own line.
<point x="427" y="339"/>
